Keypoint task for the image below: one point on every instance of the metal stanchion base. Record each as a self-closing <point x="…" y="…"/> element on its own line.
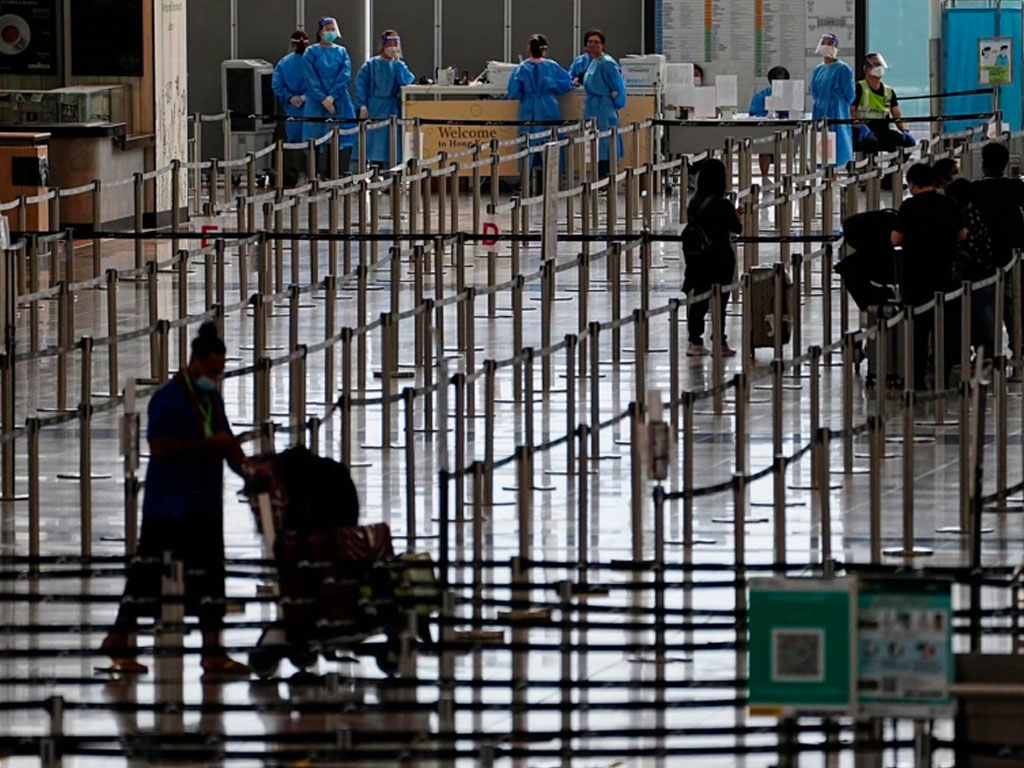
<point x="884" y="456"/>
<point x="750" y="401"/>
<point x="537" y="488"/>
<point x="656" y="661"/>
<point x="854" y="471"/>
<point x="915" y="552"/>
<point x="57" y="410"/>
<point x="697" y="541"/>
<point x="541" y="614"/>
<point x="746" y="520"/>
<point x="918" y="439"/>
<point x="398" y="374"/>
<point x="785" y="387"/>
<point x="77" y="476"/>
<point x="12" y="499"/>
<point x="249" y="348"/>
<point x="606" y="457"/>
<point x="418" y="536"/>
<point x="771" y="504"/>
<point x="565" y="473"/>
<point x="496" y="317"/>
<point x="1005" y="509"/>
<point x="813" y="487"/>
<point x="726" y="414"/>
<point x="512" y="309"/>
<point x="556" y="298"/>
<point x="589" y="290"/>
<point x="631" y="351"/>
<point x="366" y="447"/>
<point x="956" y="530"/>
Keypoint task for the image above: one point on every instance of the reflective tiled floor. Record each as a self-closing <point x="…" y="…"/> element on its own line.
<point x="617" y="677"/>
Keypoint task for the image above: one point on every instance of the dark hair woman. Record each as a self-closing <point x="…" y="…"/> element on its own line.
<point x="710" y="258"/>
<point x="183" y="510"/>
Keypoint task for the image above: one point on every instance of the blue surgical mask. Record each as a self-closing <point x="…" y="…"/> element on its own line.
<point x="206" y="384"/>
<point x="330" y="37"/>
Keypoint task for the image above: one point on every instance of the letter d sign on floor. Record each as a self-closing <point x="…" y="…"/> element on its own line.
<point x="491" y="232"/>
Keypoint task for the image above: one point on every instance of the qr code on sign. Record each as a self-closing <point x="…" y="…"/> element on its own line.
<point x="798" y="655"/>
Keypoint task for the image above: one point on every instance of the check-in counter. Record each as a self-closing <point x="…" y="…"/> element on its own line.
<point x="691" y="137"/>
<point x="476" y="104"/>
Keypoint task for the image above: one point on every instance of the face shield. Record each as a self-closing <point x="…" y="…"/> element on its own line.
<point x="392" y="47"/>
<point x="828" y="46"/>
<point x="879" y="66"/>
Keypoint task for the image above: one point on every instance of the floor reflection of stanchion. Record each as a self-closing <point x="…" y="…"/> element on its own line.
<point x="565" y="595"/>
<point x="51" y="746"/>
<point x="32" y="427"/>
<point x="908" y="549"/>
<point x="112" y="347"/>
<point x="169" y="645"/>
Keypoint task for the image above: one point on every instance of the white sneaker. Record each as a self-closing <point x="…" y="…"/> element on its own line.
<point x="697" y="350"/>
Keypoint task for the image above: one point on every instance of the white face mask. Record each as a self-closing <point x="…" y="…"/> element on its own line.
<point x="878" y="72"/>
<point x="828" y="51"/>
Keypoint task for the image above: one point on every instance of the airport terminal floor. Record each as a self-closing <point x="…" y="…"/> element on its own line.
<point x="598" y="507"/>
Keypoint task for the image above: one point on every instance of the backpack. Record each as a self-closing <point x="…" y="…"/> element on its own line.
<point x="696" y="243"/>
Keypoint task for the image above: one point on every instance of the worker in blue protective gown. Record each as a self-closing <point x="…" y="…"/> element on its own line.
<point x="605" y="94"/>
<point x="289" y="84"/>
<point x="328" y="75"/>
<point x="833" y="90"/>
<point x="537" y="83"/>
<point x="378" y="94"/>
<point x="759" y="108"/>
<point x="578" y="68"/>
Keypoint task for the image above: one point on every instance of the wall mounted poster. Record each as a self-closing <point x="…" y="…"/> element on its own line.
<point x="995" y="61"/>
<point x="28" y="37"/>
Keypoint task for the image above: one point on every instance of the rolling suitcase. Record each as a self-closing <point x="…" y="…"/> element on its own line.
<point x="894" y="347"/>
<point x="762" y="308"/>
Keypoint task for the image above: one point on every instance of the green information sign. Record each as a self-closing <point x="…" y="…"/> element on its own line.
<point x="802" y="639"/>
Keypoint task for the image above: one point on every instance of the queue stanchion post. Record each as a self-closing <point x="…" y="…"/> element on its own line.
<point x="294" y="251"/>
<point x="32" y="427"/>
<point x="673" y="364"/>
<point x="747" y="340"/>
<point x="796" y="312"/>
<point x="209" y="278"/>
<point x="824" y="441"/>
<point x="826" y="302"/>
<point x="777" y="406"/>
<point x="183" y="302"/>
<point x="999" y="391"/>
<point x="490" y="390"/>
<point x="477" y="184"/>
<point x="362" y="275"/>
<point x="298" y="396"/>
<point x="614" y="255"/>
<point x="517" y="334"/>
<point x="64" y="307"/>
<point x="779" y="513"/>
<point x="333" y="215"/>
<point x="1017" y="322"/>
<point x="346" y="396"/>
<point x="97" y="225"/>
<point x="33" y="287"/>
<point x="346" y="228"/>
<point x="636" y="473"/>
<point x="409" y="406"/>
<point x="684" y="188"/>
<point x="386" y="371"/>
<point x="849" y="346"/>
<point x="138" y="210"/>
<point x="595" y="389"/>
<point x="85" y="447"/>
<point x="112" y="322"/>
<point x="330" y="321"/>
<point x="313" y="427"/>
<point x="717" y="348"/>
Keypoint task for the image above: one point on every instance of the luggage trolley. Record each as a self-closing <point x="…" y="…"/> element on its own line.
<point x="337" y="585"/>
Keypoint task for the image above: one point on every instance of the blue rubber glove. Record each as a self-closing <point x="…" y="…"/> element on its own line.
<point x="863" y="133"/>
<point x="908" y="139"/>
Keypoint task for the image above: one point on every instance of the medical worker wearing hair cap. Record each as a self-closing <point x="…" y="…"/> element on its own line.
<point x="328" y="75"/>
<point x="378" y="91"/>
<point x="537" y="83"/>
<point x="832" y="88"/>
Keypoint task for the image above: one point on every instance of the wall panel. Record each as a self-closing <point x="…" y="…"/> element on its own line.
<point x="552" y="18"/>
<point x="415" y="23"/>
<point x="473" y="31"/>
<point x="619" y="20"/>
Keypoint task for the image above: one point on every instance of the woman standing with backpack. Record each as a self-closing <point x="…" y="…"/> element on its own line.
<point x="707" y="249"/>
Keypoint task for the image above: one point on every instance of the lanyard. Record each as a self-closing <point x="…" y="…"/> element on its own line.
<point x="205" y="409"/>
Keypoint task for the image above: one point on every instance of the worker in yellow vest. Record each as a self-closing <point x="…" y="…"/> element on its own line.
<point x="877" y="109"/>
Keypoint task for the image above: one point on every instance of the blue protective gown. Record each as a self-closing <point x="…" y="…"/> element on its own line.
<point x="378" y="88"/>
<point x="537" y="85"/>
<point x="579" y="66"/>
<point x="328" y="72"/>
<point x="833" y="91"/>
<point x="290" y="80"/>
<point x="759" y="105"/>
<point x="602" y="79"/>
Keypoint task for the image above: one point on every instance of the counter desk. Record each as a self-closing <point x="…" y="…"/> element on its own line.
<point x="691" y="137"/>
<point x="475" y="104"/>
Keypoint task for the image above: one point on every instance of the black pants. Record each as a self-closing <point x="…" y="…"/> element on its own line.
<point x="199" y="545"/>
<point x="696" y="312"/>
<point x="883" y="139"/>
<point x="323" y="162"/>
